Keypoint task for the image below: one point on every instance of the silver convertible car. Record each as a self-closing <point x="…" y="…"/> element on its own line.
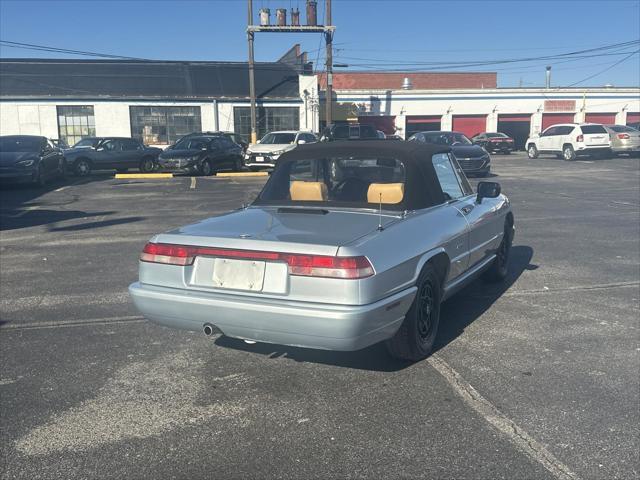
<point x="347" y="245"/>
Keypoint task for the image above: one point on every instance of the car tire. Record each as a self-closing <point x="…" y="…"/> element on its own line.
<point x="82" y="167"/>
<point x="62" y="170"/>
<point x="568" y="153"/>
<point x="206" y="168"/>
<point x="500" y="266"/>
<point x="416" y="337"/>
<point x="40" y="179"/>
<point x="532" y="151"/>
<point x="147" y="165"/>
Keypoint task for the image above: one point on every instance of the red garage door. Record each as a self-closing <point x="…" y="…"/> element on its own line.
<point x="606" y="118"/>
<point x="470" y="125"/>
<point x="633" y="119"/>
<point x="549" y="119"/>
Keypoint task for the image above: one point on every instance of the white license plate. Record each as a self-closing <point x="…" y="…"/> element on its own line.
<point x="259" y="159"/>
<point x="238" y="274"/>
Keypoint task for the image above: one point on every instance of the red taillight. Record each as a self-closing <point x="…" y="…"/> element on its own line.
<point x="301" y="265"/>
<point x="168" y="254"/>
<point x="580" y="138"/>
<point x="623" y="136"/>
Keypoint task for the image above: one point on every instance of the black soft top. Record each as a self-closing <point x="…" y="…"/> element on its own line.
<point x="422" y="187"/>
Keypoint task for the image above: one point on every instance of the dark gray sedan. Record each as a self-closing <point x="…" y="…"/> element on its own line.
<point x="473" y="159"/>
<point x="28" y="158"/>
<point x="202" y="155"/>
<point x="107" y="153"/>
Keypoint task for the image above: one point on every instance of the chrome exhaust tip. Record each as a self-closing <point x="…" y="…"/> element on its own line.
<point x="208" y="329"/>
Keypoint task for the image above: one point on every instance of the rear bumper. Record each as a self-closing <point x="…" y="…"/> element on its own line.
<point x="629" y="148"/>
<point x="499" y="148"/>
<point x="302" y="324"/>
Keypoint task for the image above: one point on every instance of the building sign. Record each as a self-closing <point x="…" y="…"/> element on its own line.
<point x="559" y="105"/>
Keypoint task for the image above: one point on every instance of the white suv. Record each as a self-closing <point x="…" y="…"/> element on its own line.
<point x="266" y="152"/>
<point x="569" y="140"/>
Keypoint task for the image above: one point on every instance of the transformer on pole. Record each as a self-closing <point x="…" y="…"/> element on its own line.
<point x="281" y="27"/>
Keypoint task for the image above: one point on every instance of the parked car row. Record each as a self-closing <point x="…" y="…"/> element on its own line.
<point x="570" y="140"/>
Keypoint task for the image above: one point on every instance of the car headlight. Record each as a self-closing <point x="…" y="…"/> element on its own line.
<point x="26" y="163"/>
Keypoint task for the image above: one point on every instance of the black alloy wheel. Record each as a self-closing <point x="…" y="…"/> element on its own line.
<point x="82" y="167"/>
<point x="206" y="168"/>
<point x="416" y="337"/>
<point x="147" y="165"/>
<point x="425" y="311"/>
<point x="500" y="266"/>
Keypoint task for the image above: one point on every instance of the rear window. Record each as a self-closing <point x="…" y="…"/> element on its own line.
<point x="337" y="181"/>
<point x="592" y="129"/>
<point x="622" y="128"/>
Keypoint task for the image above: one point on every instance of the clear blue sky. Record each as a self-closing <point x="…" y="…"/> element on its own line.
<point x="415" y="31"/>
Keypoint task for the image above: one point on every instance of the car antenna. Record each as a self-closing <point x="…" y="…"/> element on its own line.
<point x="380" y="227"/>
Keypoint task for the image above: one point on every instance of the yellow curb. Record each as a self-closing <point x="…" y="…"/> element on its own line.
<point x="242" y="174"/>
<point x="144" y="175"/>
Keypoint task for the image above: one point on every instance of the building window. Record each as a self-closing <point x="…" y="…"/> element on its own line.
<point x="75" y="123"/>
<point x="269" y="119"/>
<point x="163" y="125"/>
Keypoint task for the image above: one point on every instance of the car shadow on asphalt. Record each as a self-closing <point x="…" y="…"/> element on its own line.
<point x="468" y="305"/>
<point x="475" y="299"/>
<point x="22" y="207"/>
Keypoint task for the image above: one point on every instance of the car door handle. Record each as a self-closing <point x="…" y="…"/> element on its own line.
<point x="466" y="210"/>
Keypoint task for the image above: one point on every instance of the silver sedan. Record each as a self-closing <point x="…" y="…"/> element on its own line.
<point x="347" y="245"/>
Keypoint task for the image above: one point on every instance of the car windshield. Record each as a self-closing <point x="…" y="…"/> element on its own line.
<point x="278" y="138"/>
<point x="192" y="143"/>
<point x="20" y="144"/>
<point x="446" y="138"/>
<point x="361" y="182"/>
<point x="87" y="142"/>
<point x="496" y="135"/>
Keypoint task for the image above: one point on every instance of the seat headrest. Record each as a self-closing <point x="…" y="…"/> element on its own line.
<point x="391" y="193"/>
<point x="308" y="191"/>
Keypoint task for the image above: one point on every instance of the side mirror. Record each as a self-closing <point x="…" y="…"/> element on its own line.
<point x="258" y="141"/>
<point x="301" y="142"/>
<point x="487" y="190"/>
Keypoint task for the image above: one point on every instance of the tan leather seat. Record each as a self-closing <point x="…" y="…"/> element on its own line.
<point x="391" y="193"/>
<point x="308" y="191"/>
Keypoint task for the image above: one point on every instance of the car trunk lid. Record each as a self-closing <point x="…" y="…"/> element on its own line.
<point x="244" y="246"/>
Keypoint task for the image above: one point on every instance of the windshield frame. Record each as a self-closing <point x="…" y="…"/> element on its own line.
<point x="324" y="170"/>
<point x="263" y="140"/>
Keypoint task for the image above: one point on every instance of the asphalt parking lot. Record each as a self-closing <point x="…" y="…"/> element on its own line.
<point x="535" y="378"/>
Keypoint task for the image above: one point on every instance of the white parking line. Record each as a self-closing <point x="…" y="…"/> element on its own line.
<point x="515" y="434"/>
<point x="73" y="323"/>
<point x="193" y="183"/>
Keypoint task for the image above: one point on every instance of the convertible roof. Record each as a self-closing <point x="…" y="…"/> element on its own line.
<point x="422" y="187"/>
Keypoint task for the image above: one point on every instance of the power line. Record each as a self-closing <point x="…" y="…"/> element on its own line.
<point x="574" y="54"/>
<point x="45" y="48"/>
<point x="606" y="69"/>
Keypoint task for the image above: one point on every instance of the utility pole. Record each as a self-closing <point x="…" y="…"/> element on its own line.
<point x="252" y="79"/>
<point x="281" y="27"/>
<point x="329" y="40"/>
